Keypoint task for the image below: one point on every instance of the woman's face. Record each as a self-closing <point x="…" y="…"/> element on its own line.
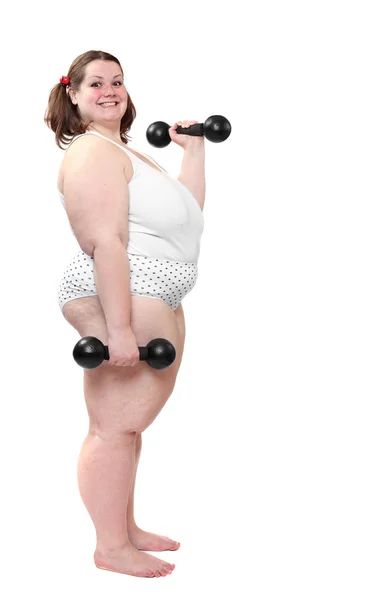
<point x="103" y="82"/>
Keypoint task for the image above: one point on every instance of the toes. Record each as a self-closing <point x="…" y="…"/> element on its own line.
<point x="173" y="545"/>
<point x="167" y="567"/>
<point x="164" y="564"/>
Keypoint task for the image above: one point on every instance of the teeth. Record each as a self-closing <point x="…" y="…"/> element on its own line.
<point x="109" y="104"/>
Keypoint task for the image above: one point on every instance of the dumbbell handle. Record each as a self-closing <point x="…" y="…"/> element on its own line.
<point x="195" y="130"/>
<point x="143" y="353"/>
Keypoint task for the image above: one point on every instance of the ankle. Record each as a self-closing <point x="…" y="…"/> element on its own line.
<point x="111" y="549"/>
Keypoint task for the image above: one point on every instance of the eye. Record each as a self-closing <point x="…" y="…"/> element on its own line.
<point x="96" y="82"/>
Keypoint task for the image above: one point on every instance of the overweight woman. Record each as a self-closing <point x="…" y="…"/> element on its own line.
<point x="138" y="229"/>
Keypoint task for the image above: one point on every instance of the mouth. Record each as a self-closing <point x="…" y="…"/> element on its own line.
<point x="108" y="104"/>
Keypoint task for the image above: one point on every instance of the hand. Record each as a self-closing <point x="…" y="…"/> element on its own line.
<point x="123" y="349"/>
<point x="185" y="141"/>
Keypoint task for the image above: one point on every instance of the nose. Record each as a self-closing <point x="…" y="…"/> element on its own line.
<point x="109" y="91"/>
<point x="111" y="94"/>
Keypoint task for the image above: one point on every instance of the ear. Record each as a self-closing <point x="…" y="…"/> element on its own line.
<point x="72" y="96"/>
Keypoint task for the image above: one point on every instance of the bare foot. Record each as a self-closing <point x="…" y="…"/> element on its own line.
<point x="143" y="540"/>
<point x="130" y="561"/>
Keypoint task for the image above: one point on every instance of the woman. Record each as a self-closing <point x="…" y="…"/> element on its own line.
<point x="139" y="233"/>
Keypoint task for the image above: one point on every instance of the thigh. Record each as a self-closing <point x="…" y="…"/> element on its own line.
<point x="149" y="319"/>
<point x="128" y="398"/>
<point x="179" y="313"/>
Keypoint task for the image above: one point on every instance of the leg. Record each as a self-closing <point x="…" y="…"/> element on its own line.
<point x="105" y="469"/>
<point x="140" y="539"/>
<point x="120" y="403"/>
<point x="143" y="540"/>
<point x="130" y="510"/>
<point x="104" y="472"/>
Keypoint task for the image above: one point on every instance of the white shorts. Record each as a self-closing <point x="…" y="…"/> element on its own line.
<point x="165" y="280"/>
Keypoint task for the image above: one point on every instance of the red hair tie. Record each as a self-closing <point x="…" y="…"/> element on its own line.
<point x="64" y="80"/>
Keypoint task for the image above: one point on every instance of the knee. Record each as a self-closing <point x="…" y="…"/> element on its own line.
<point x="109" y="435"/>
<point x="130" y="429"/>
<point x="142" y="423"/>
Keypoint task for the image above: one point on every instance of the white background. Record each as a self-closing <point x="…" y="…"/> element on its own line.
<point x="259" y="464"/>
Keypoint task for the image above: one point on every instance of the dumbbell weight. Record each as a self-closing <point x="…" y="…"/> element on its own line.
<point x="215" y="129"/>
<point x="89" y="352"/>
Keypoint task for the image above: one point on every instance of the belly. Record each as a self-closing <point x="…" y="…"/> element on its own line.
<point x="166" y="280"/>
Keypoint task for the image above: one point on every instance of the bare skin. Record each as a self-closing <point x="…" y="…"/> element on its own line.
<point x="121" y="404"/>
<point x="140" y="539"/>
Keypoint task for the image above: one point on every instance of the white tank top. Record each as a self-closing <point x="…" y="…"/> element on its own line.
<point x="165" y="219"/>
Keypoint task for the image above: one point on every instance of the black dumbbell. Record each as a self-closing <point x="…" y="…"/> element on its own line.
<point x="215" y="129"/>
<point x="89" y="352"/>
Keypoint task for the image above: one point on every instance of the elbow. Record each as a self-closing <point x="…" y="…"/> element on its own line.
<point x="109" y="242"/>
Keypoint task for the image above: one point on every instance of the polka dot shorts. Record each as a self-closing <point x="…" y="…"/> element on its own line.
<point x="164" y="280"/>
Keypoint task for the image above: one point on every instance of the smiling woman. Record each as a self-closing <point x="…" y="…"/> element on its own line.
<point x="139" y="233"/>
<point x="70" y="107"/>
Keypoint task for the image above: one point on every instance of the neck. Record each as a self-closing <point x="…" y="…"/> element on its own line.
<point x="112" y="133"/>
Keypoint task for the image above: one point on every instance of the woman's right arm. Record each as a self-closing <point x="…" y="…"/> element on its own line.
<point x="112" y="280"/>
<point x="97" y="203"/>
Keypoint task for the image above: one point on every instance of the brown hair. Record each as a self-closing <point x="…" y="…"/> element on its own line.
<point x="63" y="117"/>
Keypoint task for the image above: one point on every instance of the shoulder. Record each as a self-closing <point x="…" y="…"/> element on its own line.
<point x="81" y="143"/>
<point x="94" y="146"/>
